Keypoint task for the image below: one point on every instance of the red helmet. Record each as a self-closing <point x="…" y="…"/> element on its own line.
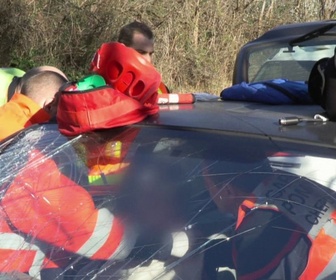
<point x="127" y="71"/>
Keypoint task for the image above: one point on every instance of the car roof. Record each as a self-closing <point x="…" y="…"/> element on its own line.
<point x="287" y="32"/>
<point x="248" y="118"/>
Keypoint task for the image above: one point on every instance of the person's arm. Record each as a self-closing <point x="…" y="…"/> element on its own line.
<point x="47" y="206"/>
<point x="263" y="240"/>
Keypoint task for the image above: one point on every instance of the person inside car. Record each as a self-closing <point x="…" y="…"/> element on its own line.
<point x="148" y="184"/>
<point x="139" y="36"/>
<point x="34" y="100"/>
<point x="47" y="217"/>
<point x="285" y="225"/>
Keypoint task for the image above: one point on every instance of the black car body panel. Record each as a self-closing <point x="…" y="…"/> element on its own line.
<point x="250" y="118"/>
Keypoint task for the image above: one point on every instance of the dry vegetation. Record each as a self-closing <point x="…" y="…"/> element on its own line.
<point x="196" y="40"/>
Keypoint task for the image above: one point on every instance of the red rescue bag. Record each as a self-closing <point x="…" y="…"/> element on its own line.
<point x="97" y="108"/>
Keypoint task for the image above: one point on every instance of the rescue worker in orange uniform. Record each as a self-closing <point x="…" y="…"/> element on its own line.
<point x="47" y="218"/>
<point x="34" y="100"/>
<point x="56" y="219"/>
<point x="139" y="36"/>
<point x="285" y="225"/>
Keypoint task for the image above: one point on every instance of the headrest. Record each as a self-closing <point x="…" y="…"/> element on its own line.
<point x="127" y="71"/>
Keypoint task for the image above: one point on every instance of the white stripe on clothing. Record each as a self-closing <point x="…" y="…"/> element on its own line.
<point x="100" y="234"/>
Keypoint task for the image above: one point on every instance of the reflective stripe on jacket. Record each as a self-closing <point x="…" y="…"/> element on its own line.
<point x="308" y="205"/>
<point x="16" y="253"/>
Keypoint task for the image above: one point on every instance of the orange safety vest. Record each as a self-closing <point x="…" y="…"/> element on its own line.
<point x="18" y="113"/>
<point x="106" y="161"/>
<point x="44" y="213"/>
<point x="309" y="207"/>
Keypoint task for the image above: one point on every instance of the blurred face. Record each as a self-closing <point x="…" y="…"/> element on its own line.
<point x="155" y="199"/>
<point x="157" y="211"/>
<point x="143" y="45"/>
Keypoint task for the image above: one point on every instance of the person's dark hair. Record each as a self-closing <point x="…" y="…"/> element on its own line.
<point x="12" y="87"/>
<point x="127" y="31"/>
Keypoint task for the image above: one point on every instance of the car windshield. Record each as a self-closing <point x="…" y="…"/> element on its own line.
<point x="280" y="61"/>
<point x="163" y="202"/>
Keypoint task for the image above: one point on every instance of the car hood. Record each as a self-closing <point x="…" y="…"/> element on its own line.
<point x="249" y="118"/>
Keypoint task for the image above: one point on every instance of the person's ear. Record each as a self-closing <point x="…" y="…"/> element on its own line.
<point x="47" y="104"/>
<point x="50" y="105"/>
<point x="14" y="86"/>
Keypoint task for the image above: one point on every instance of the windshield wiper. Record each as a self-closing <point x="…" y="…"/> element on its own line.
<point x="312" y="34"/>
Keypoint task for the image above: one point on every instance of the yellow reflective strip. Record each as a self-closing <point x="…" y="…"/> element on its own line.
<point x="113" y="149"/>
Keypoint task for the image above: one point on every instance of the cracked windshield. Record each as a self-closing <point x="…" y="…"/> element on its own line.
<point x="155" y="203"/>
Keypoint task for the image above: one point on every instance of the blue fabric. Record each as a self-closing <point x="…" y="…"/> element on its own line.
<point x="277" y="91"/>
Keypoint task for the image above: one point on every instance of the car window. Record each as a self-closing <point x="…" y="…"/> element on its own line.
<point x="175" y="190"/>
<point x="288" y="63"/>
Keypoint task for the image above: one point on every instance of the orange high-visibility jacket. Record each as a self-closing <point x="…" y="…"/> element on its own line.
<point x="308" y="207"/>
<point x="106" y="161"/>
<point x="46" y="214"/>
<point x="18" y="113"/>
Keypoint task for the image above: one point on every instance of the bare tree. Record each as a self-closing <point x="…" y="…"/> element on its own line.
<point x="196" y="40"/>
<point x="327" y="9"/>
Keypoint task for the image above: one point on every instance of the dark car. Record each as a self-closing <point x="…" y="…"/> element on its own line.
<point x="167" y="178"/>
<point x="286" y="51"/>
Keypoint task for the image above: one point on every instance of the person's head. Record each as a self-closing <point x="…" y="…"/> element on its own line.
<point x="16" y="84"/>
<point x="138" y="36"/>
<point x="229" y="184"/>
<point x="155" y="183"/>
<point x="43" y="88"/>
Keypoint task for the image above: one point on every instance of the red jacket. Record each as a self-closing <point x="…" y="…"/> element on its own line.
<point x="18" y="113"/>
